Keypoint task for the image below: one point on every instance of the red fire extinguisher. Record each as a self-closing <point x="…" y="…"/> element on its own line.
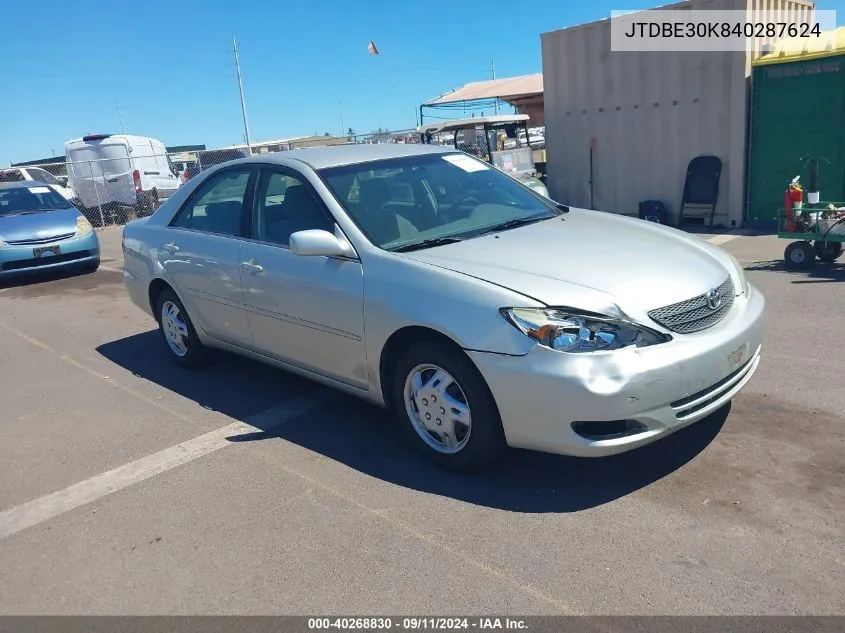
<point x="793" y="199"/>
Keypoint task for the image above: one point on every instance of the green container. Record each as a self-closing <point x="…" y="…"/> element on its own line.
<point x="797" y="114"/>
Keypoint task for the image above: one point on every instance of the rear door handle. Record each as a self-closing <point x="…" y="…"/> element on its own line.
<point x="172" y="248"/>
<point x="253" y="268"/>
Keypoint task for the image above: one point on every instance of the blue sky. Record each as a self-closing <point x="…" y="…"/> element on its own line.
<point x="168" y="63"/>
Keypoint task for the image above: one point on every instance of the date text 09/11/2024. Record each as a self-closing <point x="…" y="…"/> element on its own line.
<point x="413" y="624"/>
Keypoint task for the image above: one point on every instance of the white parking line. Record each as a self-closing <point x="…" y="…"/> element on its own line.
<point x="718" y="240"/>
<point x="52" y="505"/>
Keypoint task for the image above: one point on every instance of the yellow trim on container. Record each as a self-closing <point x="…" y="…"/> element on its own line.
<point x="797" y="49"/>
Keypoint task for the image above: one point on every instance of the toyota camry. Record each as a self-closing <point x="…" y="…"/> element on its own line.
<point x="482" y="314"/>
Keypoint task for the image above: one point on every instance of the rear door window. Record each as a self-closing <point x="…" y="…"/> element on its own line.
<point x="43" y="176"/>
<point x="218" y="204"/>
<point x="11" y="175"/>
<point x="100" y="160"/>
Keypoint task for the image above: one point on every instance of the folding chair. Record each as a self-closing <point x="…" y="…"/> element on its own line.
<point x="701" y="191"/>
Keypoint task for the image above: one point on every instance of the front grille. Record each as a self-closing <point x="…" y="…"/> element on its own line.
<point x="695" y="314"/>
<point x="40" y="240"/>
<point x="45" y="261"/>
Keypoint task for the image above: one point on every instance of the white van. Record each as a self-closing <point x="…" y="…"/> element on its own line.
<point x="121" y="170"/>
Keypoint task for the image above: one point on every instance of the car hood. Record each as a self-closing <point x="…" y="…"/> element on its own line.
<point x="41" y="224"/>
<point x="588" y="259"/>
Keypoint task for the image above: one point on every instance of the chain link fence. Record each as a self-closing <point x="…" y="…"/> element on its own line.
<point x="474" y="142"/>
<point x="114" y="190"/>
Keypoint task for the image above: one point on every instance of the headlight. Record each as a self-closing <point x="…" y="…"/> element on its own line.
<point x="83" y="227"/>
<point x="740" y="271"/>
<point x="566" y="331"/>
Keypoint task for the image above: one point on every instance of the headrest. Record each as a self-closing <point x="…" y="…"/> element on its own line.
<point x="298" y="195"/>
<point x="374" y="192"/>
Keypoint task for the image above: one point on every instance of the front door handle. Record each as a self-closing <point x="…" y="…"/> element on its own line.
<point x="172" y="248"/>
<point x="253" y="268"/>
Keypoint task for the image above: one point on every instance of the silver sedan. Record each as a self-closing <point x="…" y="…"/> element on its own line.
<point x="425" y="281"/>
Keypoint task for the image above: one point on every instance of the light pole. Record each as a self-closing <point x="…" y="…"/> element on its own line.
<point x="241" y="88"/>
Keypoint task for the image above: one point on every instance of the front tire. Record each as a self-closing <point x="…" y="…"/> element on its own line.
<point x="799" y="255"/>
<point x="446" y="408"/>
<point x="178" y="333"/>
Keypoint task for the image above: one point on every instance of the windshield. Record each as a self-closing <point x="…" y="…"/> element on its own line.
<point x="413" y="200"/>
<point x="29" y="200"/>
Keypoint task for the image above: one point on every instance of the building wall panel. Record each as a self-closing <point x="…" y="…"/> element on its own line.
<point x="648" y="113"/>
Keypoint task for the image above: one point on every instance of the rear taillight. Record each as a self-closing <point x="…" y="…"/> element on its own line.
<point x="136" y="176"/>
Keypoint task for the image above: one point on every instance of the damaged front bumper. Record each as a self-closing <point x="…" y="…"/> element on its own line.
<point x="603" y="403"/>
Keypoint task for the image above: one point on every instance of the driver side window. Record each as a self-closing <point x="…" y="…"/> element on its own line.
<point x="283" y="206"/>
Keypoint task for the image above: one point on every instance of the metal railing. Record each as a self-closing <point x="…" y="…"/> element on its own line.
<point x="108" y="193"/>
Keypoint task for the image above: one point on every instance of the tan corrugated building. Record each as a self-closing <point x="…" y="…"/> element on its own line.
<point x="647" y="114"/>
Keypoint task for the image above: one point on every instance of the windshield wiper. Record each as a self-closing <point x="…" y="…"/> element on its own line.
<point x="436" y="241"/>
<point x="512" y="224"/>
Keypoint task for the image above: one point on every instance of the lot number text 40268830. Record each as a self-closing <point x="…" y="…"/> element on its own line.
<point x="415" y="624"/>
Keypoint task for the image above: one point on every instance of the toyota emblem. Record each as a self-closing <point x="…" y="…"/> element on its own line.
<point x="714" y="299"/>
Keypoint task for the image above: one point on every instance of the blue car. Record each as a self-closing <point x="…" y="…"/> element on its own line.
<point x="41" y="231"/>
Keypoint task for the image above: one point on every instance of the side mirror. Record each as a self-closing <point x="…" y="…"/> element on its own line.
<point x="316" y="242"/>
<point x="62" y="180"/>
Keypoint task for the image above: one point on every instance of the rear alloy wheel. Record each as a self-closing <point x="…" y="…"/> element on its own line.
<point x="178" y="332"/>
<point x="799" y="255"/>
<point x="828" y="252"/>
<point x="446" y="408"/>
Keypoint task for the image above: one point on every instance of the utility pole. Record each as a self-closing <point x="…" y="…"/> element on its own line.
<point x="342" y="125"/>
<point x="120" y="117"/>
<point x="493" y="73"/>
<point x="241" y="88"/>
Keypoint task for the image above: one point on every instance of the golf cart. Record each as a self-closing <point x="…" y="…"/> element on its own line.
<point x="500" y="140"/>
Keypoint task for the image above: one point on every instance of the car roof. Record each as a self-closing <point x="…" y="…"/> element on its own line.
<point x="20" y="184"/>
<point x="338" y="155"/>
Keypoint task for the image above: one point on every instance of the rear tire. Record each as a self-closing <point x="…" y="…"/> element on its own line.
<point x="450" y="416"/>
<point x="178" y="333"/>
<point x="148" y="205"/>
<point x="828" y="252"/>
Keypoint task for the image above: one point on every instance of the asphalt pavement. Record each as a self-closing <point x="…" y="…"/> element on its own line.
<point x="129" y="486"/>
